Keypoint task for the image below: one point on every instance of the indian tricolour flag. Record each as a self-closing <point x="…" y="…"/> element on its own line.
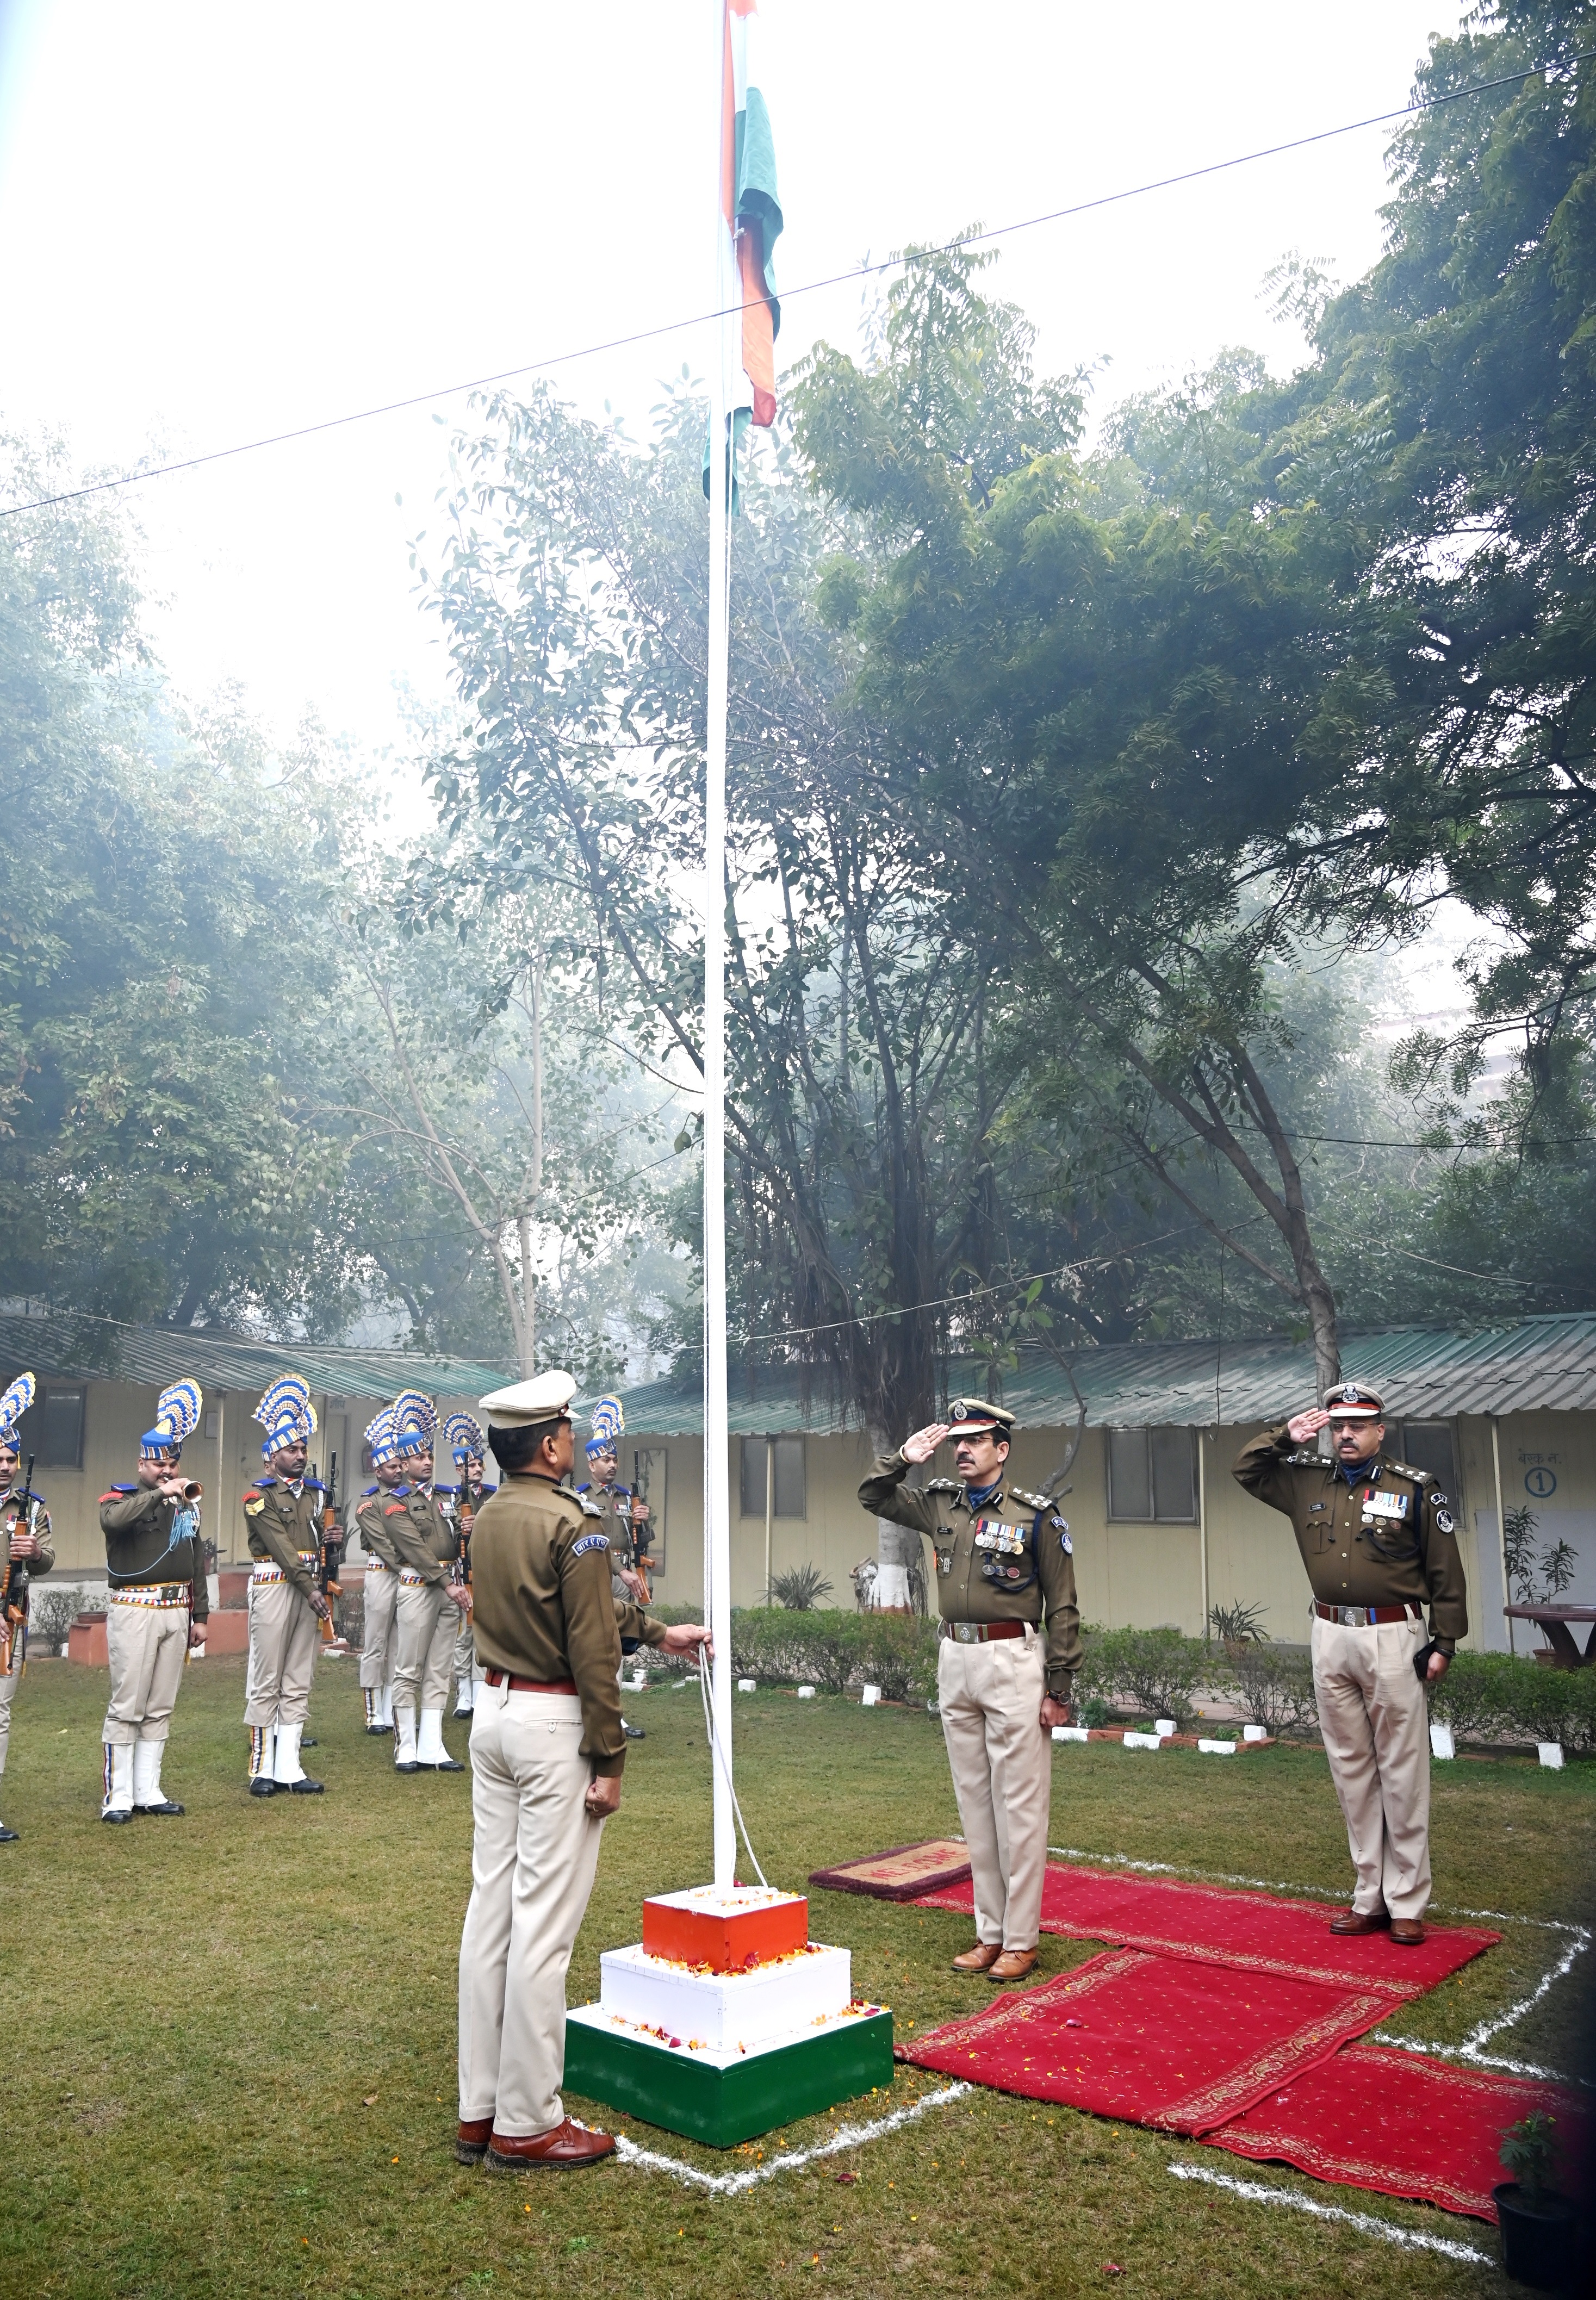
<point x="750" y="207"/>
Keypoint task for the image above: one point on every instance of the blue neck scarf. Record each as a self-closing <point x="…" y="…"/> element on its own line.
<point x="980" y="1495"/>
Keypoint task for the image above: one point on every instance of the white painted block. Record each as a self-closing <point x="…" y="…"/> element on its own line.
<point x="1071" y="1733"/>
<point x="1217" y="1749"/>
<point x="1164" y="1726"/>
<point x="1254" y="1732"/>
<point x="725" y="2010"/>
<point x="1551" y="1754"/>
<point x="805" y="1693"/>
<point x="594" y="2016"/>
<point x="745" y="1684"/>
<point x="1441" y="1743"/>
<point x="871" y="1694"/>
<point x="1143" y="1741"/>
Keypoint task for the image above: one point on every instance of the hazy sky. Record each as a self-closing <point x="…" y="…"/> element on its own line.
<point x="222" y="222"/>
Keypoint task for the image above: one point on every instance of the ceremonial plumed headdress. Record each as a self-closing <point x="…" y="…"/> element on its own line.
<point x="609" y="1423"/>
<point x="14" y="1405"/>
<point x="285" y="1415"/>
<point x="379" y="1436"/>
<point x="463" y="1436"/>
<point x="177" y="1417"/>
<point x="416" y="1418"/>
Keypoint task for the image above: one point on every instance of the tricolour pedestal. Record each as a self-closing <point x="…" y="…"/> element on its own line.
<point x="749" y="2024"/>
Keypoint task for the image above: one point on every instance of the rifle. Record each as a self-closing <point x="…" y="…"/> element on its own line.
<point x="642" y="1534"/>
<point x="13" y="1592"/>
<point x="332" y="1548"/>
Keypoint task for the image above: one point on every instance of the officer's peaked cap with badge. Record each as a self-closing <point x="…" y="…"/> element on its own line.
<point x="16" y="1401"/>
<point x="609" y="1423"/>
<point x="177" y="1417"/>
<point x="380" y="1437"/>
<point x="546" y="1397"/>
<point x="1351" y="1401"/>
<point x="462" y="1434"/>
<point x="285" y="1415"/>
<point x="416" y="1418"/>
<point x="973" y="1417"/>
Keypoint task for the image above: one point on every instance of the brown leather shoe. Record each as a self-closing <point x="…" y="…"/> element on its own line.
<point x="569" y="2143"/>
<point x="1354" y="1921"/>
<point x="1013" y="1964"/>
<point x="471" y="2140"/>
<point x="1408" y="1931"/>
<point x="979" y="1959"/>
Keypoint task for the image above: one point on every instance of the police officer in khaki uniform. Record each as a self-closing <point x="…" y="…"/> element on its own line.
<point x="25" y="1530"/>
<point x="432" y="1597"/>
<point x="282" y="1520"/>
<point x="157" y="1605"/>
<point x="1010" y="1645"/>
<point x="1378" y="1540"/>
<point x="546" y="1755"/>
<point x="461" y="1502"/>
<point x="379" y="1591"/>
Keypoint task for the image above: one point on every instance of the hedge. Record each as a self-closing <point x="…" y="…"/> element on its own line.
<point x="1498" y="1697"/>
<point x="830" y="1649"/>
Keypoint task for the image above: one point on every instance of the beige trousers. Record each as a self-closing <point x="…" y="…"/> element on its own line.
<point x="283" y="1638"/>
<point x="534" y="1854"/>
<point x="465" y="1649"/>
<point x="147" y="1645"/>
<point x="381" y="1604"/>
<point x="427" y="1624"/>
<point x="1375" y="1723"/>
<point x="10" y="1679"/>
<point x="990" y="1696"/>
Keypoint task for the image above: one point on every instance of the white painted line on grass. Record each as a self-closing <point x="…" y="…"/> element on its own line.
<point x="1256" y="2193"/>
<point x="731" y="2184"/>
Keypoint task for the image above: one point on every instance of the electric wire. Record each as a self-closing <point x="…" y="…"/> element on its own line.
<point x="898" y="263"/>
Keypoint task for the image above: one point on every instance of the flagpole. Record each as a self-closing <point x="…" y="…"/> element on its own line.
<point x="717" y="1493"/>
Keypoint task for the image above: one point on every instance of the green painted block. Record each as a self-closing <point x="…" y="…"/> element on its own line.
<point x="720" y="2099"/>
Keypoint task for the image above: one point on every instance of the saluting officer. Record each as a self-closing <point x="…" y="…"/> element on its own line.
<point x="1010" y="1643"/>
<point x="157" y="1606"/>
<point x="379" y="1591"/>
<point x="1378" y="1540"/>
<point x="468" y="1446"/>
<point x="25" y="1530"/>
<point x="433" y="1598"/>
<point x="547" y="1754"/>
<point x="282" y="1520"/>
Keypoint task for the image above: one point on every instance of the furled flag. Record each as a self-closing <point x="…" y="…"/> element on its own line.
<point x="750" y="206"/>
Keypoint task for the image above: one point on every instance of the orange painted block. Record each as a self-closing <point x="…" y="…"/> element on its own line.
<point x="227" y="1631"/>
<point x="86" y="1641"/>
<point x="730" y="1930"/>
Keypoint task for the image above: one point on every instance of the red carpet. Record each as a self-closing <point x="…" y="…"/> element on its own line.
<point x="902" y="1873"/>
<point x="1402" y="2124"/>
<point x="1156" y="2040"/>
<point x="1256" y="1931"/>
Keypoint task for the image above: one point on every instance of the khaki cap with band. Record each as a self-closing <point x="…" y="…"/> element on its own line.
<point x="546" y="1397"/>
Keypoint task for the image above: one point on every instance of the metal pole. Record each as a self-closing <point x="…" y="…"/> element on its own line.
<point x="717" y="1493"/>
<point x="1202" y="1529"/>
<point x="1502" y="1530"/>
<point x="769" y="1505"/>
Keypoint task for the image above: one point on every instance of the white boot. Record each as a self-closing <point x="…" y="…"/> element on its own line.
<point x="262" y="1758"/>
<point x="119" y="1781"/>
<point x="465" y="1696"/>
<point x="369" y="1695"/>
<point x="405" y="1760"/>
<point x="385" y="1716"/>
<point x="287" y="1771"/>
<point x="148" y="1796"/>
<point x="431" y="1749"/>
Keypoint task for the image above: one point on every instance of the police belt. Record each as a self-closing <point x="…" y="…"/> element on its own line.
<point x="982" y="1633"/>
<point x="153" y="1593"/>
<point x="529" y="1683"/>
<point x="1362" y="1617"/>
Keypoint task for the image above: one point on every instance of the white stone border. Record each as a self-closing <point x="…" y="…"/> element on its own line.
<point x="1254" y="2192"/>
<point x="732" y="2184"/>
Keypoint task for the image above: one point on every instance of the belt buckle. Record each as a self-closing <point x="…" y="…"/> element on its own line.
<point x="1355" y="1617"/>
<point x="966" y="1633"/>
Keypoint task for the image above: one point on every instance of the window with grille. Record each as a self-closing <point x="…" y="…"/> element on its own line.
<point x="789" y="1495"/>
<point x="1429" y="1446"/>
<point x="1152" y="1476"/>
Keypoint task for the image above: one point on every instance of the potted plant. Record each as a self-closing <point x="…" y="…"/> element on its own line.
<point x="1537" y="2223"/>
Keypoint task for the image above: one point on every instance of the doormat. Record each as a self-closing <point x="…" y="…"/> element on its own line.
<point x="1406" y="2126"/>
<point x="1255" y="1932"/>
<point x="903" y="1873"/>
<point x="1156" y="2040"/>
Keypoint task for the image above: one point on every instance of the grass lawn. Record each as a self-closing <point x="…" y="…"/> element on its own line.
<point x="231" y="2037"/>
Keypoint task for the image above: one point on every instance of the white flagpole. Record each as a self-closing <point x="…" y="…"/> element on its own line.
<point x="718" y="1494"/>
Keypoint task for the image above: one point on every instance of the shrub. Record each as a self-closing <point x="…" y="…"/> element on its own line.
<point x="899" y="1653"/>
<point x="1155" y="1672"/>
<point x="801" y="1590"/>
<point x="1476" y="1697"/>
<point x="1272" y="1686"/>
<point x="1239" y="1624"/>
<point x="51" y="1612"/>
<point x="779" y="1645"/>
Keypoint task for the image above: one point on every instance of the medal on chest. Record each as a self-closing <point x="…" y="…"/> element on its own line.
<point x="1005" y="1550"/>
<point x="1380" y="1507"/>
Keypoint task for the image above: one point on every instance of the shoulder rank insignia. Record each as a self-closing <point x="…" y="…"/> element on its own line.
<point x="943" y="1486"/>
<point x="589" y="1509"/>
<point x="1308" y="1461"/>
<point x="254" y="1503"/>
<point x="589" y="1541"/>
<point x="1032" y="1501"/>
<point x="1406" y="1470"/>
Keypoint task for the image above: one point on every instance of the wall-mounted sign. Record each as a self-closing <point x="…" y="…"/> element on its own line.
<point x="1541" y="1483"/>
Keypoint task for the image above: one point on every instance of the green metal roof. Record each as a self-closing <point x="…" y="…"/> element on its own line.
<point x="1420" y="1371"/>
<point x="84" y="1348"/>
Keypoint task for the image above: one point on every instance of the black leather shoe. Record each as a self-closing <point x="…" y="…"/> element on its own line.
<point x="308" y="1741"/>
<point x="9" y="1836"/>
<point x="444" y="1765"/>
<point x="263" y="1786"/>
<point x="117" y="1817"/>
<point x="304" y="1787"/>
<point x="411" y="1768"/>
<point x="166" y="1805"/>
<point x="633" y="1732"/>
<point x="374" y="1729"/>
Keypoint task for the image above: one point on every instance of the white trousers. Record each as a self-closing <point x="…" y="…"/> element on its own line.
<point x="381" y="1603"/>
<point x="427" y="1623"/>
<point x="534" y="1855"/>
<point x="283" y="1638"/>
<point x="1375" y="1723"/>
<point x="10" y="1679"/>
<point x="147" y="1645"/>
<point x="991" y="1698"/>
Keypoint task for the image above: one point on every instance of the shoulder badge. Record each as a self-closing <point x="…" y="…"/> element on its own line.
<point x="367" y="1491"/>
<point x="1407" y="1469"/>
<point x="589" y="1541"/>
<point x="254" y="1503"/>
<point x="943" y="1486"/>
<point x="589" y="1509"/>
<point x="116" y="1494"/>
<point x="312" y="1485"/>
<point x="394" y="1509"/>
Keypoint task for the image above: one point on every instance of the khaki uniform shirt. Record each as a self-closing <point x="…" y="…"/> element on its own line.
<point x="422" y="1537"/>
<point x="366" y="1519"/>
<point x="13" y="1519"/>
<point x="1008" y="1560"/>
<point x="279" y="1524"/>
<point x="540" y="1574"/>
<point x="1389" y="1539"/>
<point x="136" y="1522"/>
